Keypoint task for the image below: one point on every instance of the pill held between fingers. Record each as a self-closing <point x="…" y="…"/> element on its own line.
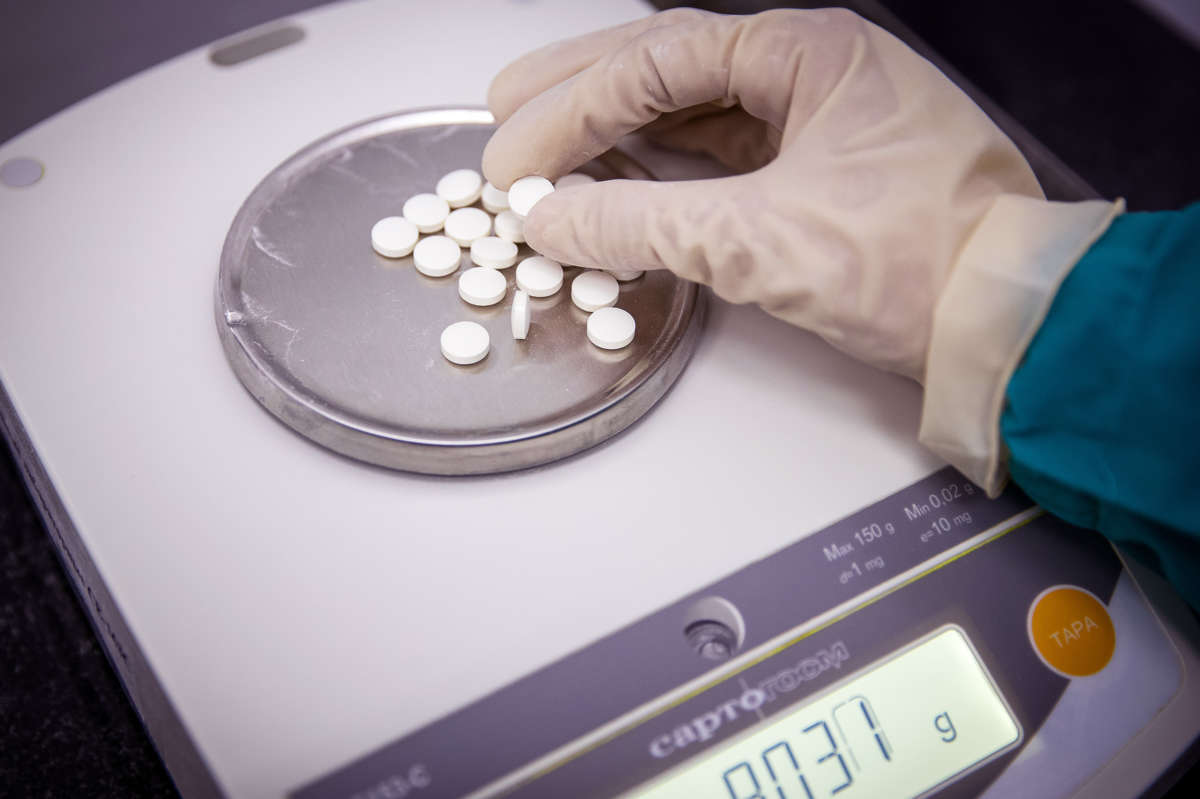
<point x="427" y="211"/>
<point x="525" y="193"/>
<point x="460" y="187"/>
<point x="611" y="328"/>
<point x="465" y="343"/>
<point x="464" y="225"/>
<point x="437" y="256"/>
<point x="393" y="237"/>
<point x="625" y="275"/>
<point x="494" y="252"/>
<point x="594" y="289"/>
<point x="510" y="227"/>
<point x="482" y="285"/>
<point x="521" y="315"/>
<point x="573" y="179"/>
<point x="539" y="276"/>
<point x="494" y="201"/>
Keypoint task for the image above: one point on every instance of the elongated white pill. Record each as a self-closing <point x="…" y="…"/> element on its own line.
<point x="427" y="211"/>
<point x="464" y="225"/>
<point x="521" y="315"/>
<point x="525" y="193"/>
<point x="625" y="275"/>
<point x="494" y="201"/>
<point x="573" y="179"/>
<point x="494" y="252"/>
<point x="482" y="285"/>
<point x="393" y="237"/>
<point x="460" y="187"/>
<point x="594" y="289"/>
<point x="539" y="276"/>
<point x="465" y="343"/>
<point x="436" y="256"/>
<point x="510" y="227"/>
<point x="611" y="328"/>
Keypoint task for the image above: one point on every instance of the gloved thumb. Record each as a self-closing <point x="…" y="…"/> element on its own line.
<point x="636" y="224"/>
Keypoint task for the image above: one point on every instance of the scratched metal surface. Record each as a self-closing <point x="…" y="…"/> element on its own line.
<point x="343" y="344"/>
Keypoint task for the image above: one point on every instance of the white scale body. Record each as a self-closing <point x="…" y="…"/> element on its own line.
<point x="278" y="611"/>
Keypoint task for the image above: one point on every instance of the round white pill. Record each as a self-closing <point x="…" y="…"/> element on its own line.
<point x="521" y="315"/>
<point x="436" y="256"/>
<point x="460" y="187"/>
<point x="426" y="211"/>
<point x="494" y="252"/>
<point x="482" y="285"/>
<point x="525" y="193"/>
<point x="393" y="237"/>
<point x="510" y="227"/>
<point x="573" y="179"/>
<point x="610" y="328"/>
<point x="625" y="275"/>
<point x="467" y="224"/>
<point x="594" y="289"/>
<point x="494" y="201"/>
<point x="539" y="276"/>
<point x="465" y="343"/>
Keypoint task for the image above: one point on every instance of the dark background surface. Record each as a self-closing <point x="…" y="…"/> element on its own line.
<point x="1108" y="88"/>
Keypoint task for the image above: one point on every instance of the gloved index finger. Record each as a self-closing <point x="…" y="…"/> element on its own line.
<point x="660" y="69"/>
<point x="537" y="71"/>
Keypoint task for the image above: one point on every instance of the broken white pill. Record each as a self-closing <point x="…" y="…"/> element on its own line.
<point x="594" y="289"/>
<point x="427" y="211"/>
<point x="611" y="328"/>
<point x="521" y="315"/>
<point x="460" y="187"/>
<point x="465" y="343"/>
<point x="482" y="285"/>
<point x="436" y="256"/>
<point x="494" y="201"/>
<point x="464" y="225"/>
<point x="573" y="179"/>
<point x="625" y="275"/>
<point x="393" y="237"/>
<point x="525" y="193"/>
<point x="539" y="276"/>
<point x="494" y="252"/>
<point x="510" y="227"/>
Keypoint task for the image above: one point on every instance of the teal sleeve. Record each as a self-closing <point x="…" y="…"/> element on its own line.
<point x="1102" y="419"/>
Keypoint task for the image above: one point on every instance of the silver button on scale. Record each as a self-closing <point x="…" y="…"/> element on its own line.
<point x="342" y="344"/>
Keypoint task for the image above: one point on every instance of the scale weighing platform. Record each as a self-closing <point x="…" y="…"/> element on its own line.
<point x="754" y="584"/>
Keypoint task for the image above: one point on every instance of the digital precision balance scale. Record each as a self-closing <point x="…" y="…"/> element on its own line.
<point x="742" y="579"/>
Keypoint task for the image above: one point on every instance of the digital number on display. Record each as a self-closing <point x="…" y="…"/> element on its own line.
<point x="905" y="725"/>
<point x="827" y="768"/>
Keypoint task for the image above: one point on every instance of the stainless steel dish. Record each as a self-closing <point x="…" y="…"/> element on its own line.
<point x="342" y="345"/>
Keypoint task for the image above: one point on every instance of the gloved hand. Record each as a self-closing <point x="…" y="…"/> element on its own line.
<point x="870" y="169"/>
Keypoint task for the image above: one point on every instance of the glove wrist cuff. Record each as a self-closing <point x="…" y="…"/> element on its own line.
<point x="999" y="292"/>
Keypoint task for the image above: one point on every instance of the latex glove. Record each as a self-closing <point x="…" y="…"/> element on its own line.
<point x="889" y="214"/>
<point x="879" y="168"/>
